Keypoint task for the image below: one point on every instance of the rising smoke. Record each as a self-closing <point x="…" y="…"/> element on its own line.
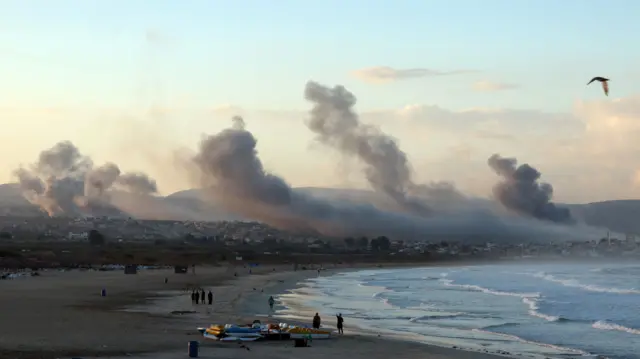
<point x="138" y="183"/>
<point x="64" y="182"/>
<point x="232" y="173"/>
<point x="521" y="192"/>
<point x="387" y="170"/>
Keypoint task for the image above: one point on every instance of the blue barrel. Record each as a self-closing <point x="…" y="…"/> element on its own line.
<point x="193" y="349"/>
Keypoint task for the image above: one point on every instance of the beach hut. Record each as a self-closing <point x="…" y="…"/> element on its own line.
<point x="180" y="269"/>
<point x="131" y="269"/>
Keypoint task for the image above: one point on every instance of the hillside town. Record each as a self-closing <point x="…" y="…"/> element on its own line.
<point x="238" y="234"/>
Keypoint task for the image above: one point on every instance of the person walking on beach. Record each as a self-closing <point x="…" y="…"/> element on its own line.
<point x="340" y="323"/>
<point x="202" y="294"/>
<point x="271" y="302"/>
<point x="210" y="297"/>
<point x="197" y="295"/>
<point x="316" y="321"/>
<point x="193" y="297"/>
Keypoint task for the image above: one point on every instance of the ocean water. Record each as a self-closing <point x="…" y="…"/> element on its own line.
<point x="548" y="310"/>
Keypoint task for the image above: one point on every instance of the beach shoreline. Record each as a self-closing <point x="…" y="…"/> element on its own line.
<point x="251" y="306"/>
<point x="62" y="315"/>
<point x="380" y="302"/>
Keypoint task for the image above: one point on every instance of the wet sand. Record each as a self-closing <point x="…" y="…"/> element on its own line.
<point x="62" y="315"/>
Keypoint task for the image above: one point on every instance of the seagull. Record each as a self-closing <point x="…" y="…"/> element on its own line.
<point x="604" y="81"/>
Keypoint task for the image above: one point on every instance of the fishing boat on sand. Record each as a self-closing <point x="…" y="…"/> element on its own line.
<point x="258" y="331"/>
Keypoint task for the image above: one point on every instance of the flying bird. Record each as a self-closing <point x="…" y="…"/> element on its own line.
<point x="603" y="81"/>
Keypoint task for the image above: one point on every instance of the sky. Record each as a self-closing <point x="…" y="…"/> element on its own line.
<point x="133" y="81"/>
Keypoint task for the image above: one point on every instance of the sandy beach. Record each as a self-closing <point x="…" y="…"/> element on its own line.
<point x="62" y="315"/>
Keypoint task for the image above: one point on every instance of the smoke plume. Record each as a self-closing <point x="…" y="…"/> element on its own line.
<point x="388" y="171"/>
<point x="232" y="173"/>
<point x="64" y="182"/>
<point x="521" y="192"/>
<point x="137" y="182"/>
<point x="97" y="180"/>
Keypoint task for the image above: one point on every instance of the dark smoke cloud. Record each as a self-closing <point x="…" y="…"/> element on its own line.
<point x="232" y="173"/>
<point x="137" y="182"/>
<point x="99" y="179"/>
<point x="388" y="171"/>
<point x="64" y="182"/>
<point x="521" y="192"/>
<point x="63" y="160"/>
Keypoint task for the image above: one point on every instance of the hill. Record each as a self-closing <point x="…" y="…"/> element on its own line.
<point x="193" y="204"/>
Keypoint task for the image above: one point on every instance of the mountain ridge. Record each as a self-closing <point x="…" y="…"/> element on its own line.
<point x="617" y="215"/>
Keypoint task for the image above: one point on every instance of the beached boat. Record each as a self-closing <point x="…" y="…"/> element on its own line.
<point x="213" y="332"/>
<point x="211" y="336"/>
<point x="230" y="333"/>
<point x="240" y="332"/>
<point x="227" y="338"/>
<point x="255" y="331"/>
<point x="240" y="339"/>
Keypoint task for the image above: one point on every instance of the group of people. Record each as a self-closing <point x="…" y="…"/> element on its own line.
<point x="339" y="324"/>
<point x="201" y="297"/>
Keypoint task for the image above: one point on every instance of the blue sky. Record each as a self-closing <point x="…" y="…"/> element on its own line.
<point x="85" y="56"/>
<point x="260" y="53"/>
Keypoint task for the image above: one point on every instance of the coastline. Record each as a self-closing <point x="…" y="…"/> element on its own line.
<point x="341" y="295"/>
<point x="252" y="305"/>
<point x="61" y="315"/>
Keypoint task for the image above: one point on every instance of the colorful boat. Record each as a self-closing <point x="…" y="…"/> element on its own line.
<point x="231" y="333"/>
<point x="251" y="332"/>
<point x="213" y="332"/>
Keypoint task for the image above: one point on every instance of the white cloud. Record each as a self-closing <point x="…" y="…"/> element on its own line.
<point x="489" y="86"/>
<point x="384" y="74"/>
<point x="495" y="123"/>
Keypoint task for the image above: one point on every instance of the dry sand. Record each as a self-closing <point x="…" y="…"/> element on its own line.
<point x="62" y="315"/>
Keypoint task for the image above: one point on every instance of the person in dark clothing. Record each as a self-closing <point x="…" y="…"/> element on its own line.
<point x="271" y="302"/>
<point x="202" y="295"/>
<point x="166" y="280"/>
<point x="210" y="297"/>
<point x="193" y="297"/>
<point x="340" y="323"/>
<point x="198" y="297"/>
<point x="316" y="321"/>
